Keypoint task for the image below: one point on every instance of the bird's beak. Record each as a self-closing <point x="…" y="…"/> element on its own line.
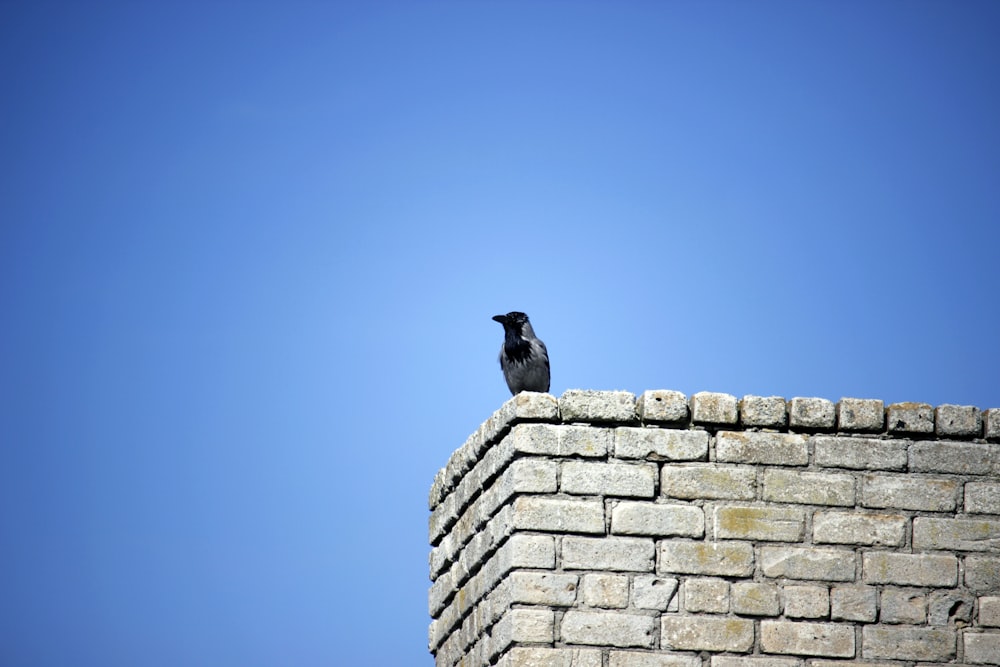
<point x="502" y="319"/>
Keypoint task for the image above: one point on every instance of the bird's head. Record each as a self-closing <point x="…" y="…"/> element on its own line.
<point x="512" y="321"/>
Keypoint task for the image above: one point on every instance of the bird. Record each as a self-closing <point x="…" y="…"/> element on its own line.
<point x="523" y="357"/>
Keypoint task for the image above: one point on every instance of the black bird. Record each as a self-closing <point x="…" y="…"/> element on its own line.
<point x="523" y="358"/>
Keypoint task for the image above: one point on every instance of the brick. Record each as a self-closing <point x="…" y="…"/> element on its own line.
<point x="558" y="515"/>
<point x="903" y="606"/>
<point x="618" y="554"/>
<point x="949" y="607"/>
<point x="964" y="458"/>
<point x="723" y="559"/>
<point x="761" y="448"/>
<point x="859" y="453"/>
<point x="860" y="414"/>
<point x="609" y="591"/>
<point x="806" y="601"/>
<point x="662" y="406"/>
<point x="989" y="611"/>
<point x="956" y="534"/>
<point x="888" y="642"/>
<point x="982" y="573"/>
<point x="853" y="603"/>
<point x="538" y="656"/>
<point x="755" y="599"/>
<point x="855" y="528"/>
<point x="608" y="479"/>
<point x="652" y="592"/>
<point x="982" y="497"/>
<point x="763" y="411"/>
<point x="774" y="524"/>
<point x="545" y="588"/>
<point x="909" y="492"/>
<point x="991" y="424"/>
<point x="528" y="625"/>
<point x="813" y="414"/>
<point x="880" y="567"/>
<point x="815" y="563"/>
<point x="636" y="659"/>
<point x="800" y="638"/>
<point x="660" y="444"/>
<point x="586" y="405"/>
<point x="552" y="440"/>
<point x="754" y="661"/>
<point x="811" y="488"/>
<point x="706" y="595"/>
<point x="958" y="421"/>
<point x="910" y="418"/>
<point x="982" y="648"/>
<point x="632" y="518"/>
<point x="602" y="628"/>
<point x="709" y="481"/>
<point x="713" y="408"/>
<point x="705" y="633"/>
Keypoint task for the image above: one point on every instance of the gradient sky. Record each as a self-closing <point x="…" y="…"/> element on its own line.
<point x="249" y="252"/>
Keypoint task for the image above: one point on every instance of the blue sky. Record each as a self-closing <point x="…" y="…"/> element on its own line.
<point x="249" y="253"/>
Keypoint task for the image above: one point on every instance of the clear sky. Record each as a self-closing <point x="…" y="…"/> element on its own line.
<point x="249" y="252"/>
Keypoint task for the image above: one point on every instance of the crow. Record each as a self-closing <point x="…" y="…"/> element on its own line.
<point x="523" y="358"/>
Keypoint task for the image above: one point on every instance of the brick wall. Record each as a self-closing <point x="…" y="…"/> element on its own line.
<point x="598" y="530"/>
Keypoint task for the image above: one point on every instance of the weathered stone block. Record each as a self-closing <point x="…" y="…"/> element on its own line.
<point x="805" y="601"/>
<point x="887" y="642"/>
<point x="652" y="592"/>
<point x="982" y="573"/>
<point x="982" y="497"/>
<point x="812" y="414"/>
<point x="812" y="488"/>
<point x="903" y="606"/>
<point x="956" y="534"/>
<point x="663" y="406"/>
<point x="540" y="656"/>
<point x="853" y="603"/>
<point x="773" y="524"/>
<point x="859" y="453"/>
<point x="584" y="405"/>
<point x="991" y="424"/>
<point x="958" y="421"/>
<point x="855" y="528"/>
<point x="608" y="479"/>
<point x="706" y="595"/>
<point x="562" y="440"/>
<point x="910" y="418"/>
<point x="766" y="411"/>
<point x="860" y="414"/>
<point x="964" y="458"/>
<point x="753" y="598"/>
<point x="761" y="448"/>
<point x="948" y="607"/>
<point x="558" y="515"/>
<point x="709" y="407"/>
<point x="813" y="563"/>
<point x="882" y="567"/>
<point x="660" y="444"/>
<point x="605" y="628"/>
<point x="989" y="612"/>
<point x="909" y="492"/>
<point x="618" y="554"/>
<point x="705" y="633"/>
<point x="527" y="625"/>
<point x="709" y="481"/>
<point x="636" y="659"/>
<point x="632" y="518"/>
<point x="798" y="638"/>
<point x="982" y="648"/>
<point x="547" y="588"/>
<point x="723" y="559"/>
<point x="754" y="661"/>
<point x="609" y="591"/>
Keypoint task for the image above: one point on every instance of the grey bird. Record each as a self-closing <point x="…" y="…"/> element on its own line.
<point x="523" y="358"/>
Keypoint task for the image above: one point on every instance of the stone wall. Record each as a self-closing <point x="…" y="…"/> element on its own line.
<point x="598" y="530"/>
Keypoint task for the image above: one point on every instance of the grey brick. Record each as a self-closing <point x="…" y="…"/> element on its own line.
<point x="958" y="421"/>
<point x="811" y="414"/>
<point x="609" y="591"/>
<point x="652" y="592"/>
<point x="812" y="488"/>
<point x="633" y="518"/>
<point x="608" y="479"/>
<point x="774" y="524"/>
<point x="660" y="444"/>
<point x="888" y="642"/>
<point x="763" y="411"/>
<point x="619" y="554"/>
<point x="859" y="453"/>
<point x="856" y="528"/>
<point x="545" y="588"/>
<point x="964" y="458"/>
<point x="636" y="659"/>
<point x="811" y="563"/>
<point x="704" y="633"/>
<point x="982" y="648"/>
<point x="853" y="603"/>
<point x="982" y="573"/>
<point x="991" y="424"/>
<point x="799" y="638"/>
<point x="982" y="497"/>
<point x="806" y="601"/>
<point x="880" y="567"/>
<point x="860" y="414"/>
<point x="909" y="492"/>
<point x="903" y="606"/>
<point x="989" y="611"/>
<point x="541" y="656"/>
<point x="910" y="418"/>
<point x="723" y="559"/>
<point x="526" y="625"/>
<point x="706" y="595"/>
<point x="761" y="448"/>
<point x="604" y="628"/>
<point x="713" y="408"/>
<point x="663" y="406"/>
<point x="709" y="481"/>
<point x="553" y="440"/>
<point x="586" y="405"/>
<point x="558" y="515"/>
<point x="754" y="661"/>
<point x="948" y="607"/>
<point x="956" y="534"/>
<point x="755" y="599"/>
